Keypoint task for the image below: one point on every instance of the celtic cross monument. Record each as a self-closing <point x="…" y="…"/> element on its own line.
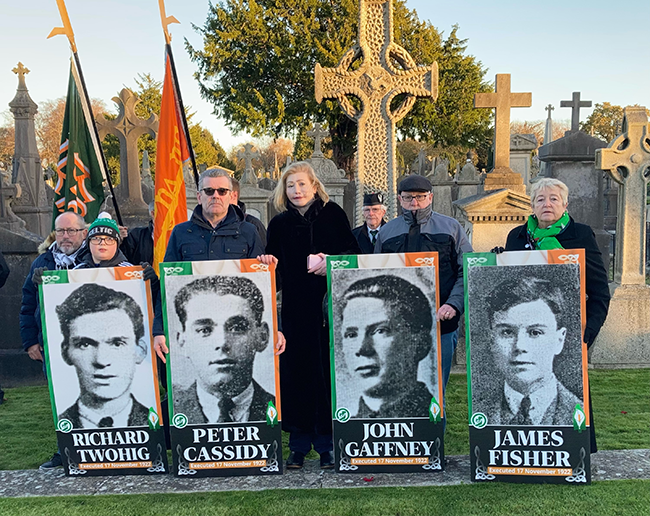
<point x="624" y="339"/>
<point x="386" y="70"/>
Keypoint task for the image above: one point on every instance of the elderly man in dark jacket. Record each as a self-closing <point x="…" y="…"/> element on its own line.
<point x="66" y="252"/>
<point x="216" y="231"/>
<point x="421" y="229"/>
<point x="374" y="212"/>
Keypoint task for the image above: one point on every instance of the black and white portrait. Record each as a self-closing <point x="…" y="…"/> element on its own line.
<point x="525" y="342"/>
<point x="385" y="335"/>
<point x="99" y="349"/>
<point x="221" y="332"/>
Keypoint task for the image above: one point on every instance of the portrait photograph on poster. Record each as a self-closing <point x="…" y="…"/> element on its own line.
<point x="221" y="324"/>
<point x="527" y="375"/>
<point x="384" y="341"/>
<point x="101" y="371"/>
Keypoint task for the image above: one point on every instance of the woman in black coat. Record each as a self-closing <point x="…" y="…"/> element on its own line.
<point x="551" y="227"/>
<point x="308" y="225"/>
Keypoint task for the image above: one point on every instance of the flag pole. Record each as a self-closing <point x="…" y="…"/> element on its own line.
<point x="166" y="21"/>
<point x="67" y="31"/>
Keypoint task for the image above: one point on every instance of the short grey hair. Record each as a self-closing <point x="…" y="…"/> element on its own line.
<point x="214" y="172"/>
<point x="549" y="182"/>
<point x="382" y="206"/>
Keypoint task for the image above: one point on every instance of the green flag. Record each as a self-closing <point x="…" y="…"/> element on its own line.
<point x="80" y="176"/>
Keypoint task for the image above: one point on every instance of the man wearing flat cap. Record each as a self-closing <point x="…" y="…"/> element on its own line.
<point x="420" y="229"/>
<point x="373" y="214"/>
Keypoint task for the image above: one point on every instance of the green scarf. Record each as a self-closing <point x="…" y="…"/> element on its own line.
<point x="544" y="239"/>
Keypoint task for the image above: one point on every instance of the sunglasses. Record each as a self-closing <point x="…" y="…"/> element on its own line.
<point x="210" y="191"/>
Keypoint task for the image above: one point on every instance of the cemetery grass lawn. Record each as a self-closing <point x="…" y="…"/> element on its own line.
<point x="621" y="401"/>
<point x="620" y="497"/>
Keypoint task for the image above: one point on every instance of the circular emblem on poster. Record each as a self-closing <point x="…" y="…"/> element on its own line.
<point x="65" y="426"/>
<point x="479" y="420"/>
<point x="342" y="415"/>
<point x="179" y="420"/>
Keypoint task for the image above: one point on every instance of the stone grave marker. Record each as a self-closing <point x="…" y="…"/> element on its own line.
<point x="624" y="340"/>
<point x="375" y="82"/>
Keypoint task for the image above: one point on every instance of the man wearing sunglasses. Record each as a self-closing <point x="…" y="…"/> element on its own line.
<point x="65" y="251"/>
<point x="216" y="231"/>
<point x="420" y="229"/>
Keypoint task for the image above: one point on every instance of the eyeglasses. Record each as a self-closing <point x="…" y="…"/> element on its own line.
<point x="103" y="240"/>
<point x="210" y="191"/>
<point x="69" y="231"/>
<point x="409" y="198"/>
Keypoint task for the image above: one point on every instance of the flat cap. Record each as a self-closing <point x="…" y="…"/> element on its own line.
<point x="373" y="199"/>
<point x="414" y="183"/>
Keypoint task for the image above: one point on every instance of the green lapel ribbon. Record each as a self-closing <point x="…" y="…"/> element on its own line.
<point x="544" y="239"/>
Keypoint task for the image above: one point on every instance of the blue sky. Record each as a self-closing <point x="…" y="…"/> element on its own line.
<point x="551" y="48"/>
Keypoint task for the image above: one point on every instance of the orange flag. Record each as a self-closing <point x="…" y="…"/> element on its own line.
<point x="171" y="152"/>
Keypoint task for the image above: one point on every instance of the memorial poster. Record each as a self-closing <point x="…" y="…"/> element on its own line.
<point x="102" y="371"/>
<point x="385" y="360"/>
<point x="527" y="366"/>
<point x="223" y="375"/>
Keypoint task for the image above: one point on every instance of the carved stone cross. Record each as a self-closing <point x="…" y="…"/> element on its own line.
<point x="627" y="160"/>
<point x="248" y="155"/>
<point x="21" y="70"/>
<point x="502" y="100"/>
<point x="549" y="108"/>
<point x="318" y="133"/>
<point x="9" y="192"/>
<point x="128" y="127"/>
<point x="385" y="71"/>
<point x="575" y="104"/>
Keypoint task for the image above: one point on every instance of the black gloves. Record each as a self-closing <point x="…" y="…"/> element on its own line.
<point x="37" y="275"/>
<point x="497" y="250"/>
<point x="148" y="274"/>
<point x="590" y="336"/>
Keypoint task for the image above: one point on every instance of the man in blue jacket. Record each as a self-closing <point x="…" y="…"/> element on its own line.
<point x="66" y="252"/>
<point x="216" y="231"/>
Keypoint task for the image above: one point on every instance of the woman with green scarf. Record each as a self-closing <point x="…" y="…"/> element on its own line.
<point x="551" y="227"/>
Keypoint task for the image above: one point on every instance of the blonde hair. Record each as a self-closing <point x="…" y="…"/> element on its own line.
<point x="549" y="182"/>
<point x="280" y="193"/>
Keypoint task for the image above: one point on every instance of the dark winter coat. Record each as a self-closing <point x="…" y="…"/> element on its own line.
<point x="196" y="239"/>
<point x="261" y="230"/>
<point x="138" y="245"/>
<point x="437" y="233"/>
<point x="361" y="234"/>
<point x="578" y="236"/>
<point x="304" y="366"/>
<point x="30" y="310"/>
<point x="4" y="270"/>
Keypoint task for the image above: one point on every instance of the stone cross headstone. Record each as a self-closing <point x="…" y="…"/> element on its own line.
<point x="375" y="82"/>
<point x="502" y="100"/>
<point x="467" y="180"/>
<point x="128" y="127"/>
<point x="248" y="155"/>
<point x="627" y="160"/>
<point x="318" y="134"/>
<point x="624" y="340"/>
<point x="548" y="127"/>
<point x="32" y="206"/>
<point x="575" y="104"/>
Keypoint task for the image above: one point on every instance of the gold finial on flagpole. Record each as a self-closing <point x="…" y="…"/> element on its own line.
<point x="166" y="21"/>
<point x="67" y="27"/>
